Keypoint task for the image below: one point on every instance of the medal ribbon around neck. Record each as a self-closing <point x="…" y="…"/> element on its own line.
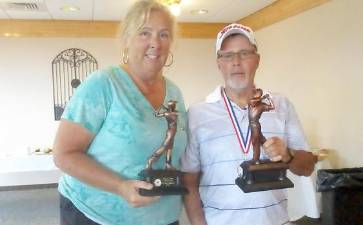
<point x="244" y="143"/>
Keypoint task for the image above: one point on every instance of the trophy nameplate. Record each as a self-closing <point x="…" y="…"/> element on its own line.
<point x="165" y="181"/>
<point x="256" y="174"/>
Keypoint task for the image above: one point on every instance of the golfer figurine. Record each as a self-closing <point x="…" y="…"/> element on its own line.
<point x="166" y="181"/>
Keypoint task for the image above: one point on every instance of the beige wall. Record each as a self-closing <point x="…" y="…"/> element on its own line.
<point x="314" y="58"/>
<point x="26" y="94"/>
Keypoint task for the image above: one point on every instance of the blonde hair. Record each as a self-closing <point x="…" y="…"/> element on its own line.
<point x="139" y="14"/>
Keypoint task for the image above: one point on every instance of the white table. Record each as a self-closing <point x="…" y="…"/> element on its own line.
<point x="28" y="170"/>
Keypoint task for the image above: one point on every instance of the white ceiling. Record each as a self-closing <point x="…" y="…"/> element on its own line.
<point x="219" y="11"/>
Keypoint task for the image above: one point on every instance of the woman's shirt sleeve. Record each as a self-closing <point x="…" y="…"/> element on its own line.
<point x="90" y="103"/>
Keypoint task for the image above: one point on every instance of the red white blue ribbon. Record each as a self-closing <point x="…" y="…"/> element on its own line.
<point x="244" y="143"/>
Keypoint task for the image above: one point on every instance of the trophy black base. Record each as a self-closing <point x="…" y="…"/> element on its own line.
<point x="264" y="176"/>
<point x="165" y="182"/>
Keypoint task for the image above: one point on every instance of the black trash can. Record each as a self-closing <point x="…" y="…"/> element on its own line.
<point x="342" y="196"/>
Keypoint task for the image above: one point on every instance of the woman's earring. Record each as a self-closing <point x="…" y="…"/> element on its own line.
<point x="125" y="56"/>
<point x="171" y="60"/>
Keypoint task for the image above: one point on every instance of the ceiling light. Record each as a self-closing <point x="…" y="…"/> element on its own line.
<point x="11" y="35"/>
<point x="175" y="9"/>
<point x="174" y="6"/>
<point x="170" y="2"/>
<point x="199" y="11"/>
<point x="187" y="2"/>
<point x="69" y="8"/>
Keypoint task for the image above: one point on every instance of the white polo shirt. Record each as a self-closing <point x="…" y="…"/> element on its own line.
<point x="213" y="150"/>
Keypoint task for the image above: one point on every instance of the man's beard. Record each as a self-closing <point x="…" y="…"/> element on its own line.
<point x="237" y="85"/>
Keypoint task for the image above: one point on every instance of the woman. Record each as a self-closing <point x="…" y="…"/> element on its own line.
<point x="108" y="130"/>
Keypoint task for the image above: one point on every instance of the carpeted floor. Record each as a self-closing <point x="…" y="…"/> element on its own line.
<point x="29" y="207"/>
<point x="40" y="207"/>
<point x="307" y="221"/>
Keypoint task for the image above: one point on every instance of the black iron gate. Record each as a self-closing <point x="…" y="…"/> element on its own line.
<point x="69" y="69"/>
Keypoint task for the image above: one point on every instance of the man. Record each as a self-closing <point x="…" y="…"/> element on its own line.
<point x="219" y="140"/>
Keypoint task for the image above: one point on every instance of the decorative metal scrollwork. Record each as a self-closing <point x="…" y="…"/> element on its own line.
<point x="69" y="69"/>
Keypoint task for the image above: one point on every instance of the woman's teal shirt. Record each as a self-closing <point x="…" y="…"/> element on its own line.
<point x="109" y="105"/>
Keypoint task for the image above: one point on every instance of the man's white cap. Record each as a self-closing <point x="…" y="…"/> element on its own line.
<point x="235" y="28"/>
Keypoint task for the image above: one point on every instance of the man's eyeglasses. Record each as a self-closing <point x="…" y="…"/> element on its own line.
<point x="244" y="54"/>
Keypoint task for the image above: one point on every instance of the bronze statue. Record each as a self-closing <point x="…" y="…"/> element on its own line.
<point x="171" y="116"/>
<point x="256" y="107"/>
<point x="165" y="181"/>
<point x="256" y="174"/>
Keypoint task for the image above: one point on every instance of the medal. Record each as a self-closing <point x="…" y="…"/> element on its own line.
<point x="244" y="142"/>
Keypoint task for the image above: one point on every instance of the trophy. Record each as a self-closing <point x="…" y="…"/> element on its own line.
<point x="260" y="175"/>
<point x="165" y="181"/>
